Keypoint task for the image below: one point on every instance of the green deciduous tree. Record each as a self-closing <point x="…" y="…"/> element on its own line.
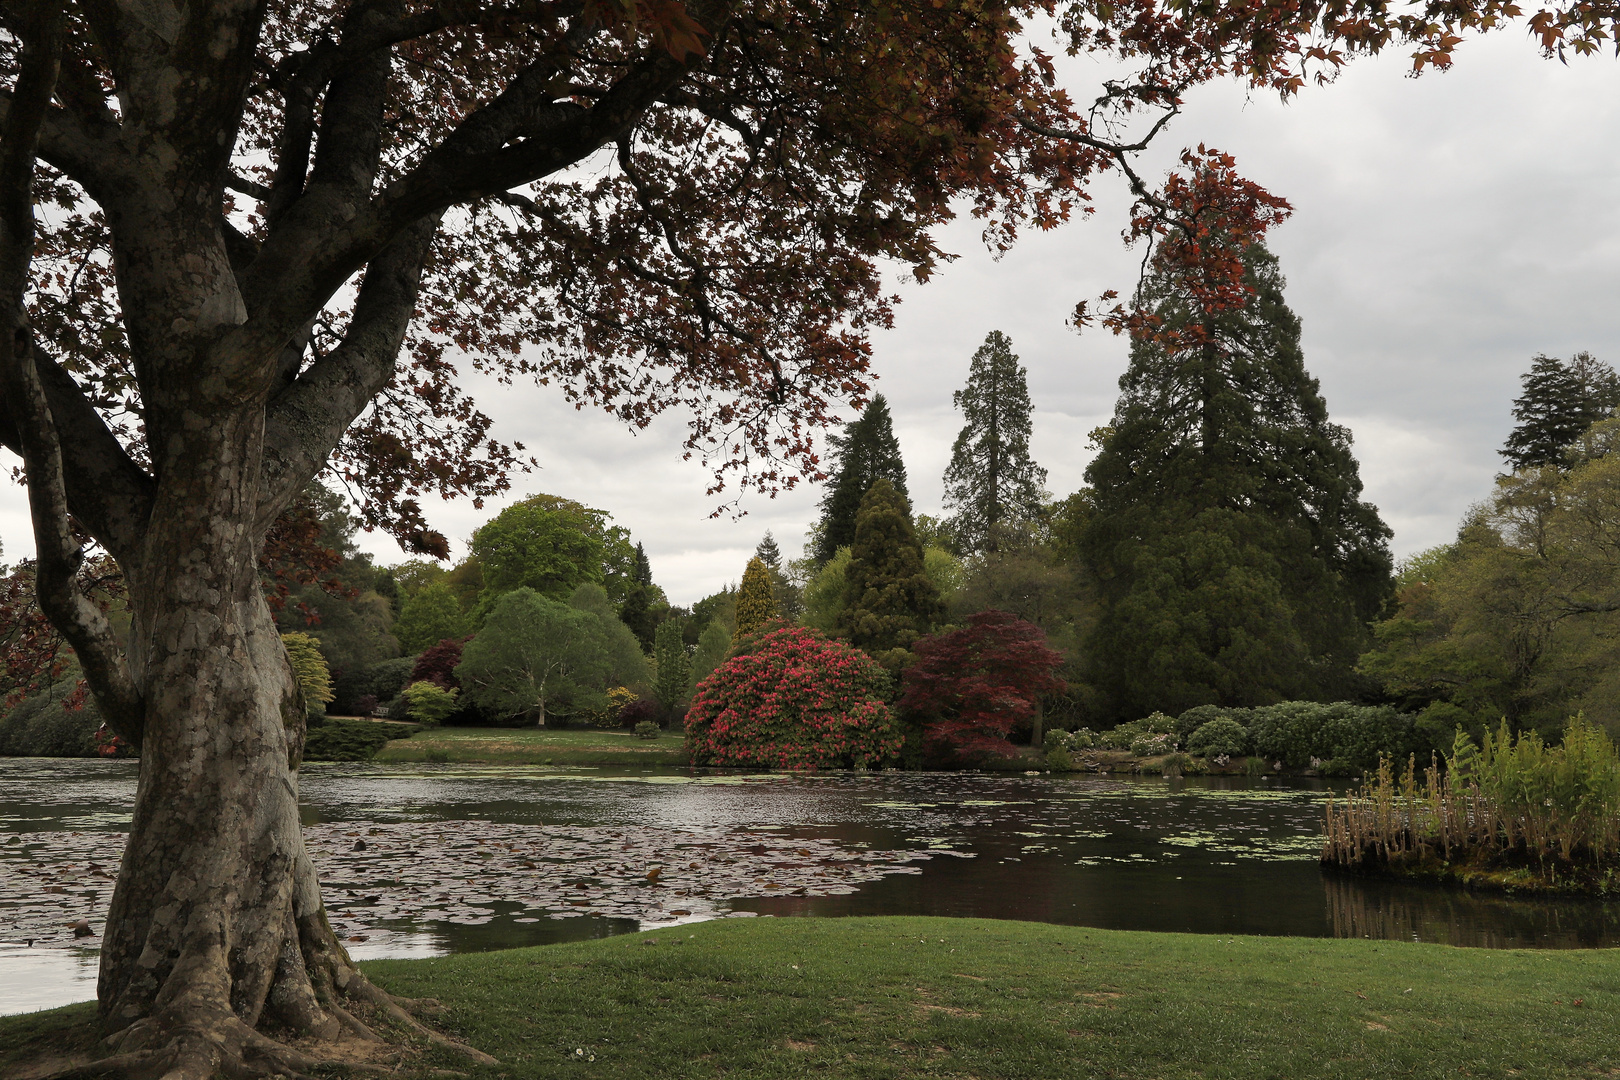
<point x="888" y="600"/>
<point x="429" y="703"/>
<point x="756" y="600"/>
<point x="1558" y="401"/>
<point x="533" y="654"/>
<point x="625" y="663"/>
<point x="1519" y="618"/>
<point x="1235" y="561"/>
<point x="428" y="616"/>
<point x="673" y="680"/>
<point x="824" y="592"/>
<point x="866" y="452"/>
<point x="544" y="543"/>
<point x="991" y="480"/>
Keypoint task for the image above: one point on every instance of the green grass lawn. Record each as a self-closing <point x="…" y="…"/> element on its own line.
<point x="959" y="998"/>
<point x="536" y="746"/>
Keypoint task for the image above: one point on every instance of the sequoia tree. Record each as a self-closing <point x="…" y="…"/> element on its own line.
<point x="1236" y="561"/>
<point x="276" y="228"/>
<point x="991" y="481"/>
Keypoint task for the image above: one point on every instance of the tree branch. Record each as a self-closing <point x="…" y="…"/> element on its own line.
<point x="108" y="493"/>
<point x="81" y="620"/>
<point x="305" y="421"/>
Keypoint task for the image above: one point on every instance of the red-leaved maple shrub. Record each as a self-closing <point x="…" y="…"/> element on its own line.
<point x="437" y="664"/>
<point x="970" y="687"/>
<point x="795" y="700"/>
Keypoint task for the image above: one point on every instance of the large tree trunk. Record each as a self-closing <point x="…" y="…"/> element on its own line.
<point x="216" y="926"/>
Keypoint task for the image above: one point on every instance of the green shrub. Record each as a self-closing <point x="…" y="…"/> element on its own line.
<point x="428" y="703"/>
<point x="1219" y="738"/>
<point x="646" y="729"/>
<point x="1151" y="745"/>
<point x="1078" y="739"/>
<point x="1305" y="733"/>
<point x="1122" y="736"/>
<point x="1058" y="760"/>
<point x="350" y="740"/>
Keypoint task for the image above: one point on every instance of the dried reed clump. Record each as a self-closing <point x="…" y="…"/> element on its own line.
<point x="1533" y="815"/>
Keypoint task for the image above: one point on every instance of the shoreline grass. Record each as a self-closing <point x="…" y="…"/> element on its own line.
<point x="535" y="746"/>
<point x="905" y="997"/>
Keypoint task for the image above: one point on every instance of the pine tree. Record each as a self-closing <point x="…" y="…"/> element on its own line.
<point x="789" y="601"/>
<point x="674" y="676"/>
<point x="756" y="603"/>
<point x="768" y="552"/>
<point x="866" y="452"/>
<point x="636" y="611"/>
<point x="889" y="601"/>
<point x="1235" y="561"/>
<point x="991" y="480"/>
<point x="1558" y="402"/>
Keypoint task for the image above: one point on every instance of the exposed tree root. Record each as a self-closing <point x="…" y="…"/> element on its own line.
<point x="167" y="1046"/>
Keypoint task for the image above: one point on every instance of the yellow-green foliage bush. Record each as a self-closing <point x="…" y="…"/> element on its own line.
<point x="429" y="703"/>
<point x="304" y="654"/>
<point x="756" y="602"/>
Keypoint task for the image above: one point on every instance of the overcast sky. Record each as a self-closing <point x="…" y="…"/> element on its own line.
<point x="1445" y="230"/>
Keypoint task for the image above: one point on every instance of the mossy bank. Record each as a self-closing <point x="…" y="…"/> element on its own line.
<point x="916" y="997"/>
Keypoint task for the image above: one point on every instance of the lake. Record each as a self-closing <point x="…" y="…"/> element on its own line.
<point x="421" y="860"/>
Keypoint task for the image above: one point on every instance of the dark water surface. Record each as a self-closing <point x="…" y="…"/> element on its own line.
<point x="1202" y="855"/>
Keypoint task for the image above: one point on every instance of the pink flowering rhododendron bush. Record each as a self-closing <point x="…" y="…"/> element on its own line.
<point x="794" y="699"/>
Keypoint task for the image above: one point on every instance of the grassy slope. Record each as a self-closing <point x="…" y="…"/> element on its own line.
<point x="911" y="997"/>
<point x="532" y="746"/>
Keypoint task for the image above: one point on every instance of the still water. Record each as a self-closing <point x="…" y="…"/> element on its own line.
<point x="426" y="859"/>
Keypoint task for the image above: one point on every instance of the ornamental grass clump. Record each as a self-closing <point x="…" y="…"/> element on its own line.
<point x="793" y="700"/>
<point x="1512" y="812"/>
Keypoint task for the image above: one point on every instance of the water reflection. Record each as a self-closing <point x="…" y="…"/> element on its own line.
<point x="1226" y="855"/>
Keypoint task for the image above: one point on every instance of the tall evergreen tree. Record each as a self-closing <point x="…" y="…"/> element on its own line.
<point x="636" y="611"/>
<point x="864" y="453"/>
<point x="1235" y="560"/>
<point x="889" y="601"/>
<point x="756" y="602"/>
<point x="674" y="675"/>
<point x="991" y="479"/>
<point x="789" y="601"/>
<point x="1559" y="401"/>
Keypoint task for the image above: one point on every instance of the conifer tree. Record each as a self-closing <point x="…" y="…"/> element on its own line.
<point x="991" y="480"/>
<point x="1559" y="401"/>
<point x="1235" y="561"/>
<point x="756" y="603"/>
<point x="674" y="676"/>
<point x="889" y="601"/>
<point x="789" y="601"/>
<point x="865" y="452"/>
<point x="636" y="611"/>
